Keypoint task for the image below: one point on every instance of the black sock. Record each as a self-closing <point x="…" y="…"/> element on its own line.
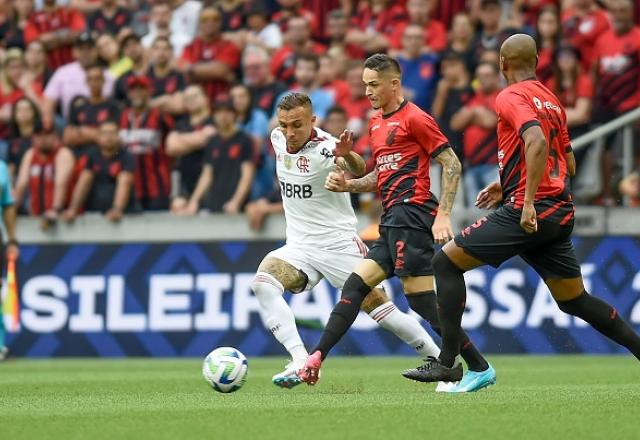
<point x="604" y="318"/>
<point x="343" y="314"/>
<point x="452" y="294"/>
<point x="425" y="304"/>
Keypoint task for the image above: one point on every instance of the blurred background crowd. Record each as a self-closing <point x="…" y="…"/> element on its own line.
<point x="124" y="106"/>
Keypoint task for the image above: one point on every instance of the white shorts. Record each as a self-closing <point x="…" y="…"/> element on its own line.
<point x="335" y="264"/>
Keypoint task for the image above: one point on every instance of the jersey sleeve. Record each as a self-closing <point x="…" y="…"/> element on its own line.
<point x="278" y="142"/>
<point x="427" y="133"/>
<point x="516" y="111"/>
<point x="247" y="153"/>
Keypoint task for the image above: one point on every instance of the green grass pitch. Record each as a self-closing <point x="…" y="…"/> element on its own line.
<point x="542" y="398"/>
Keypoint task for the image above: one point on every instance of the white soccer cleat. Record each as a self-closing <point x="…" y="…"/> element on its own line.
<point x="289" y="377"/>
<point x="446" y="387"/>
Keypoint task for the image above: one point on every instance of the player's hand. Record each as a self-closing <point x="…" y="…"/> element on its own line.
<point x="490" y="197"/>
<point x="528" y="220"/>
<point x="336" y="181"/>
<point x="441" y="229"/>
<point x="344" y="144"/>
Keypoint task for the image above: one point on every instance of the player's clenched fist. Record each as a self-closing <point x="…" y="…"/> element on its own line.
<point x="441" y="229"/>
<point x="336" y="182"/>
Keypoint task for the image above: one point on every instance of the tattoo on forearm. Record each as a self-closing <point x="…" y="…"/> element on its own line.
<point x="290" y="277"/>
<point x="451" y="170"/>
<point x="368" y="183"/>
<point x="352" y="163"/>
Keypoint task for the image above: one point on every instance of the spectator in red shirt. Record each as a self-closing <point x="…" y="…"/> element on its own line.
<point x="374" y="20"/>
<point x="294" y="8"/>
<point x="210" y="60"/>
<point x="547" y="37"/>
<point x="143" y="131"/>
<point x="478" y="120"/>
<point x="435" y="34"/>
<point x="57" y="27"/>
<point x="582" y="24"/>
<point x="574" y="88"/>
<point x="337" y="28"/>
<point x="45" y="174"/>
<point x="297" y="41"/>
<point x="256" y="71"/>
<point x="617" y="66"/>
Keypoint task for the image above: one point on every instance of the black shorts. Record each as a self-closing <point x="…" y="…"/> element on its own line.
<point x="499" y="236"/>
<point x="404" y="250"/>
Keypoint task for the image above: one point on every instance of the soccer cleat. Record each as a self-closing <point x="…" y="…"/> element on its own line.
<point x="434" y="371"/>
<point x="289" y="377"/>
<point x="475" y="381"/>
<point x="310" y="372"/>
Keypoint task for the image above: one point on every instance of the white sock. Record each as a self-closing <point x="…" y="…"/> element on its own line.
<point x="406" y="328"/>
<point x="277" y="316"/>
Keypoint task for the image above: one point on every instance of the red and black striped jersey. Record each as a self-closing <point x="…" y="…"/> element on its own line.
<point x="403" y="143"/>
<point x="519" y="107"/>
<point x="618" y="67"/>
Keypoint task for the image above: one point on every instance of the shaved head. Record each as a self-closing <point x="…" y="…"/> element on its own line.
<point x="518" y="57"/>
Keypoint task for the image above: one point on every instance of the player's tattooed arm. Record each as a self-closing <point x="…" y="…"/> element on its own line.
<point x="451" y="170"/>
<point x="352" y="163"/>
<point x="368" y="183"/>
<point x="291" y="278"/>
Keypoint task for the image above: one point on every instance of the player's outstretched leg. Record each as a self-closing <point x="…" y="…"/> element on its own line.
<point x="600" y="314"/>
<point x="378" y="306"/>
<point x="272" y="278"/>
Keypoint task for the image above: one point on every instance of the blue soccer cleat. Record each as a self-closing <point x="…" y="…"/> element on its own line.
<point x="474" y="381"/>
<point x="289" y="377"/>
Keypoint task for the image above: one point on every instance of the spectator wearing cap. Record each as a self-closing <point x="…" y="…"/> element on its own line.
<point x="106" y="182"/>
<point x="616" y="58"/>
<point x="228" y="166"/>
<point x="131" y="48"/>
<point x="211" y="60"/>
<point x="257" y="75"/>
<point x="419" y="13"/>
<point x="478" y="121"/>
<point x="547" y="35"/>
<point x="70" y="80"/>
<point x="87" y="113"/>
<point x="452" y="93"/>
<point x="186" y="143"/>
<point x="306" y="81"/>
<point x="167" y="83"/>
<point x="462" y="37"/>
<point x="582" y="24"/>
<point x="419" y="67"/>
<point x="574" y="89"/>
<point x="57" y="27"/>
<point x="297" y="42"/>
<point x="109" y="18"/>
<point x="44" y="176"/>
<point x="337" y="28"/>
<point x="25" y="122"/>
<point x="143" y="131"/>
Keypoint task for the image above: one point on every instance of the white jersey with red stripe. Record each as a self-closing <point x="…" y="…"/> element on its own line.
<point x="315" y="216"/>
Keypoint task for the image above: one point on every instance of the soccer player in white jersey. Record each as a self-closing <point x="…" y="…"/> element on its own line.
<point x="321" y="235"/>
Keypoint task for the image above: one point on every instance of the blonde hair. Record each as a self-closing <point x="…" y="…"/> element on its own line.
<point x="10" y="55"/>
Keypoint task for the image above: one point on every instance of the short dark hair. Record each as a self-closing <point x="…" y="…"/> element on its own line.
<point x="310" y="57"/>
<point x="336" y="109"/>
<point x="381" y="62"/>
<point x="294" y="100"/>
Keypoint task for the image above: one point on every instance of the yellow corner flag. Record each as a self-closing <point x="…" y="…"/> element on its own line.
<point x="11" y="305"/>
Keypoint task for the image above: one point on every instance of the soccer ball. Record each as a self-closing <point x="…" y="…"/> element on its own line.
<point x="225" y="369"/>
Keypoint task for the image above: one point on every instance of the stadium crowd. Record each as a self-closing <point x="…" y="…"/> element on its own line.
<point x="122" y="106"/>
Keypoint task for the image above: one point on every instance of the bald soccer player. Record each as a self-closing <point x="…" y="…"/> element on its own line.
<point x="534" y="216"/>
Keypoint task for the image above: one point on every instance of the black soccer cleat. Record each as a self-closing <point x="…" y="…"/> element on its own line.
<point x="433" y="371"/>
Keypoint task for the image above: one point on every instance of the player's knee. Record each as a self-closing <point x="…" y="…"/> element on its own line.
<point x="264" y="282"/>
<point x="374" y="299"/>
<point x="573" y="306"/>
<point x="355" y="288"/>
<point x="443" y="266"/>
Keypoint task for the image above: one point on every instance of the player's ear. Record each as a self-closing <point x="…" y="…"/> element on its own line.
<point x="313" y="119"/>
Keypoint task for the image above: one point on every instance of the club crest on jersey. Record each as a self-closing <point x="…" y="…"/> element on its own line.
<point x="391" y="136"/>
<point x="287" y="162"/>
<point x="303" y="164"/>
